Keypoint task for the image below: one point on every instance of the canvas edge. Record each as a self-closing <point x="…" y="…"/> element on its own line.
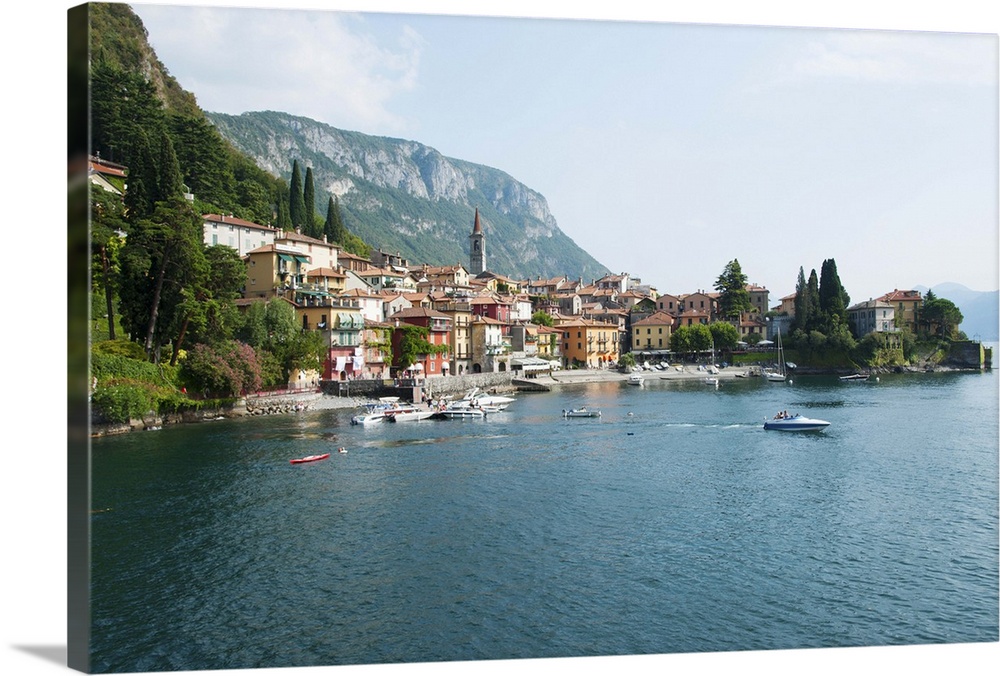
<point x="78" y="343"/>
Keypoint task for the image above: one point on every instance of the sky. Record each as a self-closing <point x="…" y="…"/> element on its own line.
<point x="664" y="148"/>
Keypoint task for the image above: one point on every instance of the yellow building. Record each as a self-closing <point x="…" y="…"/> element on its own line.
<point x="653" y="332"/>
<point x="907" y="305"/>
<point x="588" y="343"/>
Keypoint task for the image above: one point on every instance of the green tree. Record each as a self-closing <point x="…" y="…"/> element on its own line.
<point x="296" y="203"/>
<point x="942" y="314"/>
<point x="208" y="312"/>
<point x="163" y="258"/>
<point x="812" y="299"/>
<point x="107" y="220"/>
<point x="734" y="299"/>
<point x="309" y="204"/>
<point x="833" y="299"/>
<point x="204" y="159"/>
<point x="691" y="338"/>
<point x="542" y="318"/>
<point x="724" y="335"/>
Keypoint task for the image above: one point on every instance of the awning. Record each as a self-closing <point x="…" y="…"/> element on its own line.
<point x="531" y="364"/>
<point x="286" y="258"/>
<point x="301" y="259"/>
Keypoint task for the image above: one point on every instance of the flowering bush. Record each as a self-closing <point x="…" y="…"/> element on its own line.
<point x="223" y="370"/>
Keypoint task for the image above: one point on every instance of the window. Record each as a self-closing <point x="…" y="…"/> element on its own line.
<point x="215" y="240"/>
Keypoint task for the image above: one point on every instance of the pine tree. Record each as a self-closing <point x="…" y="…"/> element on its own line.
<point x="734" y="298"/>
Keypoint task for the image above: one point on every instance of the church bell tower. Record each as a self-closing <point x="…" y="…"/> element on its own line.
<point x="477" y="248"/>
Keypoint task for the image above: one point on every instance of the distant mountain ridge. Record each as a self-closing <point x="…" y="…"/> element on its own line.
<point x="980" y="309"/>
<point x="404" y="197"/>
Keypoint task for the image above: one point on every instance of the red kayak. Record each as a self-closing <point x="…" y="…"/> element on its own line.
<point x="310" y="458"/>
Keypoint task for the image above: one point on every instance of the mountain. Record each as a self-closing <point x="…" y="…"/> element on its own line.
<point x="979" y="309"/>
<point x="404" y="197"/>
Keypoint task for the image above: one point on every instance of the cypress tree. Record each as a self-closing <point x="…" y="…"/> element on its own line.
<point x="801" y="301"/>
<point x="813" y="311"/>
<point x="833" y="299"/>
<point x="309" y="201"/>
<point x="296" y="204"/>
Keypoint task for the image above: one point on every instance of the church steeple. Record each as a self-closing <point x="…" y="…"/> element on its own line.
<point x="477" y="248"/>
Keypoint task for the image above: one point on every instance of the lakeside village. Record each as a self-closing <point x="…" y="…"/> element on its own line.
<point x="472" y="323"/>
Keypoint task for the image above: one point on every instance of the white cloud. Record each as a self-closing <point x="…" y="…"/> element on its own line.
<point x="321" y="65"/>
<point x="901" y="57"/>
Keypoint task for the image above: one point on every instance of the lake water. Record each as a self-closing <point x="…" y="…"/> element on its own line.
<point x="672" y="523"/>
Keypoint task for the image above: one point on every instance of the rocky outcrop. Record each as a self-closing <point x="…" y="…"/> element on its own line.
<point x="408" y="198"/>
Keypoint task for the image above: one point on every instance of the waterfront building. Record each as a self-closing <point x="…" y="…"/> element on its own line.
<point x="236" y="233"/>
<point x="438" y="327"/>
<point x="872" y="315"/>
<point x="652" y="333"/>
<point x="459" y="310"/>
<point x="491" y="345"/>
<point x="588" y="343"/>
<point x="907" y="305"/>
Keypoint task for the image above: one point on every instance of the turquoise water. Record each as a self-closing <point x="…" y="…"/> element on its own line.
<point x="672" y="523"/>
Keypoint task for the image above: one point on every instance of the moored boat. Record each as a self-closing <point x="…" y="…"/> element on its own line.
<point x="462" y="412"/>
<point x="855" y="377"/>
<point x="635" y="379"/>
<point x="408" y="413"/>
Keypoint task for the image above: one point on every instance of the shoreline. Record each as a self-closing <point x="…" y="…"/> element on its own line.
<point x="291" y="404"/>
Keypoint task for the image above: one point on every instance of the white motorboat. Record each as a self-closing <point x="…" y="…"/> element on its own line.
<point x="854" y="377"/>
<point x="795" y="423"/>
<point x="375" y="413"/>
<point x="462" y="412"/>
<point x="581" y="413"/>
<point x="408" y="413"/>
<point x="635" y="379"/>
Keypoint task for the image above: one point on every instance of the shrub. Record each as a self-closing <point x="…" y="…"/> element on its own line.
<point x="121" y="403"/>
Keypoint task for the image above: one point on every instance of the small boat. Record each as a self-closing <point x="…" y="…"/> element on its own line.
<point x="407" y="414"/>
<point x="581" y="413"/>
<point x="855" y="377"/>
<point x="712" y="380"/>
<point x="462" y="412"/>
<point x="309" y="458"/>
<point x="795" y="423"/>
<point x="374" y="413"/>
<point x="635" y="379"/>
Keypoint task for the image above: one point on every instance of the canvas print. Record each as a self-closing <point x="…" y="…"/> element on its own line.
<point x="447" y="339"/>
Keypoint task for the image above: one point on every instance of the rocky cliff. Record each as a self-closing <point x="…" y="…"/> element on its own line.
<point x="407" y="198"/>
